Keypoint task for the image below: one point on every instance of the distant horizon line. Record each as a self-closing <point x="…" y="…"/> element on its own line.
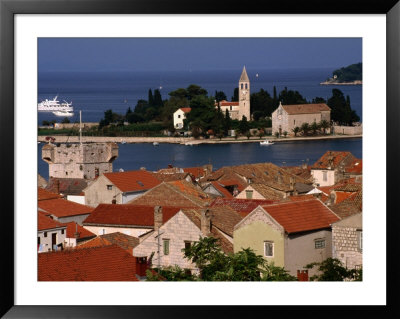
<point x="250" y="69"/>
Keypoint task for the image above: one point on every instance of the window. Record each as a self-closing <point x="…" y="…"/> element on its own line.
<point x="230" y="107"/>
<point x="360" y="234"/>
<point x="177" y="125"/>
<point x="319" y="243"/>
<point x="241" y="86"/>
<point x="188" y="244"/>
<point x="324" y="176"/>
<point x="245" y="86"/>
<point x="38" y="240"/>
<point x="249" y="194"/>
<point x="179" y="116"/>
<point x="109" y="187"/>
<point x="268" y="249"/>
<point x="294" y="122"/>
<point x="166" y="246"/>
<point x="96" y="172"/>
<point x="62" y="231"/>
<point x="45" y="234"/>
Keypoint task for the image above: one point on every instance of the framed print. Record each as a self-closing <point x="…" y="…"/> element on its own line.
<point x="85" y="28"/>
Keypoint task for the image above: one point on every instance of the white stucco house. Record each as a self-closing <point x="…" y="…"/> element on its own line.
<point x="179" y="116"/>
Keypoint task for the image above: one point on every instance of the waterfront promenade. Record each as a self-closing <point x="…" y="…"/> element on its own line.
<point x="189" y="140"/>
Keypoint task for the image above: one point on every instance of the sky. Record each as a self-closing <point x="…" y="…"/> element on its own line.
<point x="177" y="54"/>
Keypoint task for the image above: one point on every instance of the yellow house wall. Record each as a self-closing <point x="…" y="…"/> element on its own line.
<point x="254" y="235"/>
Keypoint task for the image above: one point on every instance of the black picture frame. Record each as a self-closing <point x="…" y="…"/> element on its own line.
<point x="9" y="8"/>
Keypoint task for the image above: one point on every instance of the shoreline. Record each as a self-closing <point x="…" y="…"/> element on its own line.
<point x="187" y="140"/>
<point x="341" y="83"/>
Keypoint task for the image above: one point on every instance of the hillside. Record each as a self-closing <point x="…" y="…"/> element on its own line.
<point x="351" y="75"/>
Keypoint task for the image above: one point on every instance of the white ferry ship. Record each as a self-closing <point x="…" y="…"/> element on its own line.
<point x="58" y="109"/>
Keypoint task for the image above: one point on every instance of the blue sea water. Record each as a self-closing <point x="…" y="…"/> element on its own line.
<point x="135" y="156"/>
<point x="95" y="92"/>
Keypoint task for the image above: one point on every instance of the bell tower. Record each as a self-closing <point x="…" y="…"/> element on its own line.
<point x="244" y="95"/>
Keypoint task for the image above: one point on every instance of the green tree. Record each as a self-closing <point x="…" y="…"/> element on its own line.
<point x="45" y="123"/>
<point x="195" y="90"/>
<point x="235" y="96"/>
<point x="296" y="130"/>
<point x="324" y="124"/>
<point x="331" y="269"/>
<point x="65" y="120"/>
<point x="227" y="122"/>
<point x="157" y="99"/>
<point x="285" y="133"/>
<point x="150" y="98"/>
<point x="276" y="134"/>
<point x="244" y="125"/>
<point x="220" y="96"/>
<point x="214" y="265"/>
<point x="262" y="103"/>
<point x="305" y="128"/>
<point x="318" y="100"/>
<point x="314" y="127"/>
<point x="291" y="97"/>
<point x="341" y="111"/>
<point x="179" y="93"/>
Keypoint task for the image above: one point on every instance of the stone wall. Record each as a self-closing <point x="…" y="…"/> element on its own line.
<point x="177" y="230"/>
<point x="347" y="130"/>
<point x="346" y="246"/>
<point x="79" y="160"/>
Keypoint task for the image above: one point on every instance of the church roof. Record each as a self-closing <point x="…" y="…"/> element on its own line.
<point x="306" y="108"/>
<point x="244" y="77"/>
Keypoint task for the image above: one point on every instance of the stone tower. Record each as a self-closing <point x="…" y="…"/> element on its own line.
<point x="244" y="95"/>
<point x="87" y="161"/>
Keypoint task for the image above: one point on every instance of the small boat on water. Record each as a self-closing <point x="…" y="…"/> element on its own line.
<point x="123" y="142"/>
<point x="156" y="143"/>
<point x="63" y="113"/>
<point x="266" y="142"/>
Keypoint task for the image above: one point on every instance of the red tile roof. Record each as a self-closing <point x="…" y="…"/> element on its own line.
<point x="45" y="194"/>
<point x="227" y="103"/>
<point x="124" y="241"/>
<point x="221" y="189"/>
<point x="186" y="109"/>
<point x="337" y="159"/>
<point x="195" y="171"/>
<point x="109" y="263"/>
<point x="355" y="167"/>
<point x="302" y="216"/>
<point x="45" y="222"/>
<point x="306" y="108"/>
<point x="133" y="181"/>
<point x="242" y="206"/>
<point x="83" y="232"/>
<point x="64" y="208"/>
<point x="127" y="215"/>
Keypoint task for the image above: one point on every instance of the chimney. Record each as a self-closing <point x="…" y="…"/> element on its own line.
<point x="330" y="160"/>
<point x="158" y="217"/>
<point x="291" y="184"/>
<point x="205" y="222"/>
<point x="57" y="186"/>
<point x="76" y="234"/>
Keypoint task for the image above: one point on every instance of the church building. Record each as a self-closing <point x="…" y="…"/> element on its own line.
<point x="242" y="107"/>
<point x="286" y="117"/>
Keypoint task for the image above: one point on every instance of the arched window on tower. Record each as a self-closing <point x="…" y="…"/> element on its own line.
<point x="246" y="86"/>
<point x="241" y="86"/>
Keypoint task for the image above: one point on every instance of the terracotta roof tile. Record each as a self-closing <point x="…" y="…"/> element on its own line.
<point x="306" y="108"/>
<point x="302" y="216"/>
<point x="72" y="227"/>
<point x="197" y="172"/>
<point x="227" y="103"/>
<point x="337" y="158"/>
<point x="127" y="215"/>
<point x="221" y="189"/>
<point x="107" y="263"/>
<point x="168" y="177"/>
<point x="133" y="181"/>
<point x="45" y="222"/>
<point x="45" y="194"/>
<point x="67" y="186"/>
<point x="349" y="206"/>
<point x="63" y="208"/>
<point x="124" y="241"/>
<point x="266" y="192"/>
<point x="355" y="167"/>
<point x="242" y="206"/>
<point x="186" y="109"/>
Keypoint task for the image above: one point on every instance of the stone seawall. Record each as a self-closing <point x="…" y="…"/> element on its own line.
<point x="186" y="140"/>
